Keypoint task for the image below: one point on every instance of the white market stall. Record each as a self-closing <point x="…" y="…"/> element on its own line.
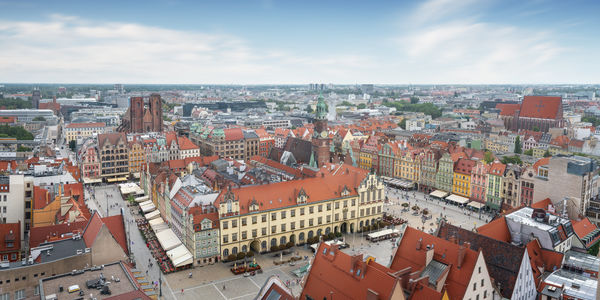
<point x="475" y="205"/>
<point x="383" y="235"/>
<point x="167" y="239"/>
<point x="180" y="256"/>
<point x="458" y="199"/>
<point x="152" y="215"/>
<point x="142" y="199"/>
<point x="438" y="194"/>
<point x="148" y="208"/>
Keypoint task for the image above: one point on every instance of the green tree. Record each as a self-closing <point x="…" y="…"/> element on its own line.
<point x="309" y="109"/>
<point x="536" y="129"/>
<point x="488" y="157"/>
<point x="594" y="249"/>
<point x="362" y="106"/>
<point x="72" y="145"/>
<point x="23" y="149"/>
<point x="39" y="118"/>
<point x="402" y="124"/>
<point x="528" y="152"/>
<point x="547" y="154"/>
<point x="518" y="145"/>
<point x="17" y="132"/>
<point x="595" y="121"/>
<point x="345" y="103"/>
<point x="515" y="159"/>
<point x="414" y="100"/>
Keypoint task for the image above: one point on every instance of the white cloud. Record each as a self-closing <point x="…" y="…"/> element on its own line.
<point x="69" y="49"/>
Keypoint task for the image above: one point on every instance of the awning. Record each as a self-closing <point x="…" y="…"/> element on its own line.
<point x="382" y="233"/>
<point x="183" y="261"/>
<point x="111" y="179"/>
<point x="147" y="202"/>
<point x="142" y="199"/>
<point x="458" y="199"/>
<point x="87" y="180"/>
<point x="129" y="188"/>
<point x="167" y="239"/>
<point x="136" y="175"/>
<point x="180" y="256"/>
<point x="438" y="194"/>
<point x="476" y="205"/>
<point x="148" y="208"/>
<point x="152" y="215"/>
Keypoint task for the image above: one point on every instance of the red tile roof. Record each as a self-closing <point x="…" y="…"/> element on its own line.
<point x="446" y="252"/>
<point x="464" y="166"/>
<point x="507" y="109"/>
<point x="496" y="229"/>
<point x="5" y="164"/>
<point x="283" y="194"/>
<point x="175" y="164"/>
<point x="10" y="232"/>
<point x="497" y="169"/>
<point x="541" y="162"/>
<point x="233" y="134"/>
<point x="542" y="260"/>
<point x="42" y="234"/>
<point x="543" y="204"/>
<point x="86" y="125"/>
<point x="584" y="227"/>
<point x="92" y="229"/>
<point x="116" y="226"/>
<point x="41" y="197"/>
<point x="113" y="138"/>
<point x="337" y="274"/>
<point x="186" y="144"/>
<point x="542" y="107"/>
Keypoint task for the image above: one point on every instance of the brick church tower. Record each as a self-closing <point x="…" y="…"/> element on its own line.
<point x="145" y="118"/>
<point x="321" y="140"/>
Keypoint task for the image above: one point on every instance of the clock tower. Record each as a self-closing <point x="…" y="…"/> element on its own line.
<point x="321" y="140"/>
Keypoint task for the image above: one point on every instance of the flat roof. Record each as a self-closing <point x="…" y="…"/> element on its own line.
<point x="582" y="260"/>
<point x="575" y="285"/>
<point x="51" y="285"/>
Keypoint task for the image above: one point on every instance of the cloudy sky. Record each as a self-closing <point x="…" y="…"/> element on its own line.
<point x="278" y="42"/>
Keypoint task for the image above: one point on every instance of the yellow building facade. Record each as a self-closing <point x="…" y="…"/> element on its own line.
<point x="257" y="218"/>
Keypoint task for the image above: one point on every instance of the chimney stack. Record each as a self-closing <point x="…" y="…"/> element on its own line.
<point x="429" y="254"/>
<point x="419" y="242"/>
<point x="461" y="253"/>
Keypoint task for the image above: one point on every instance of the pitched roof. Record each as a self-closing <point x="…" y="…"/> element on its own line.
<point x="283" y="194"/>
<point x="5" y="164"/>
<point x="445" y="252"/>
<point x="503" y="259"/>
<point x="113" y="138"/>
<point x="584" y="228"/>
<point x="41" y="197"/>
<point x="10" y="233"/>
<point x="507" y="109"/>
<point x="42" y="234"/>
<point x="116" y="226"/>
<point x="542" y="107"/>
<point x="176" y="164"/>
<point x="541" y="162"/>
<point x="464" y="166"/>
<point x="186" y="144"/>
<point x="233" y="134"/>
<point x="496" y="229"/>
<point x="346" y="277"/>
<point x="497" y="168"/>
<point x="92" y="229"/>
<point x="86" y="125"/>
<point x="542" y="260"/>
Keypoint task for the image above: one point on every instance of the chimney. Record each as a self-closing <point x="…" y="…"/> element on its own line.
<point x="419" y="242"/>
<point x="429" y="254"/>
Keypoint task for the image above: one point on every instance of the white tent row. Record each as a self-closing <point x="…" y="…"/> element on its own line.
<point x="381" y="233"/>
<point x="142" y="199"/>
<point x="180" y="256"/>
<point x="148" y="208"/>
<point x="438" y="194"/>
<point x="458" y="199"/>
<point x="129" y="188"/>
<point x="167" y="239"/>
<point x="152" y="215"/>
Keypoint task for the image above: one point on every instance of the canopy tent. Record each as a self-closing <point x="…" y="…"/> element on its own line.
<point x="130" y="188"/>
<point x="476" y="205"/>
<point x="148" y="208"/>
<point x="167" y="239"/>
<point x="142" y="199"/>
<point x="458" y="199"/>
<point x="146" y="202"/>
<point x="160" y="227"/>
<point x="381" y="233"/>
<point x="152" y="215"/>
<point x="180" y="256"/>
<point x="155" y="222"/>
<point x="438" y="194"/>
<point x="87" y="180"/>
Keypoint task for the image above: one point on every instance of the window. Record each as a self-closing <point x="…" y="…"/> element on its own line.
<point x="479" y="269"/>
<point x="475" y="286"/>
<point x="337" y="205"/>
<point x="273" y="229"/>
<point x="485" y="294"/>
<point x="225" y="238"/>
<point x="292" y="213"/>
<point x="301" y="223"/>
<point x="244" y="235"/>
<point x="293" y="225"/>
<point x="233" y="223"/>
<point x="234" y="237"/>
<point x="264" y="218"/>
<point x="225" y="224"/>
<point x="243" y="221"/>
<point x="320" y="220"/>
<point x="282" y="227"/>
<point x="302" y="211"/>
<point x="254" y="219"/>
<point x="310" y="222"/>
<point x="20" y="294"/>
<point x="328" y="206"/>
<point x="5" y="296"/>
<point x="264" y="231"/>
<point x="283" y="214"/>
<point x="273" y="216"/>
<point x="328" y="219"/>
<point x="482" y="282"/>
<point x="311" y="210"/>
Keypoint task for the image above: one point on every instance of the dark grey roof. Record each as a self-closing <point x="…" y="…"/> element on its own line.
<point x="248" y="134"/>
<point x="434" y="270"/>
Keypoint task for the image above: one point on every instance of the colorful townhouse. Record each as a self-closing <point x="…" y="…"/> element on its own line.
<point x="428" y="171"/>
<point x="479" y="181"/>
<point x="445" y="173"/>
<point x="368" y="153"/>
<point x="410" y="165"/>
<point x="387" y="159"/>
<point x="494" y="185"/>
<point x="461" y="182"/>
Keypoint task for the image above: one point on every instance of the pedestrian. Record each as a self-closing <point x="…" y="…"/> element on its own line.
<point x="182" y="291"/>
<point x="223" y="287"/>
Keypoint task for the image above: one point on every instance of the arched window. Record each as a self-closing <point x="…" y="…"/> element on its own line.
<point x="234" y="250"/>
<point x="225" y="252"/>
<point x="301" y="236"/>
<point x="282" y="240"/>
<point x="273" y="242"/>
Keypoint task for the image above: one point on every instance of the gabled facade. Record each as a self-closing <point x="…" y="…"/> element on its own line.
<point x="461" y="182"/>
<point x="479" y="182"/>
<point x="428" y="170"/>
<point x="445" y="174"/>
<point x="494" y="185"/>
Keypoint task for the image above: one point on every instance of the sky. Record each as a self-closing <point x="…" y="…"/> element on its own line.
<point x="300" y="42"/>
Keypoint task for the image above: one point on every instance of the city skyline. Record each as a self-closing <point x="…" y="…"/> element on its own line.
<point x="269" y="42"/>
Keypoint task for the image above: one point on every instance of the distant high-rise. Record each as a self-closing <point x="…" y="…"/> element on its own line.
<point x="36" y="95"/>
